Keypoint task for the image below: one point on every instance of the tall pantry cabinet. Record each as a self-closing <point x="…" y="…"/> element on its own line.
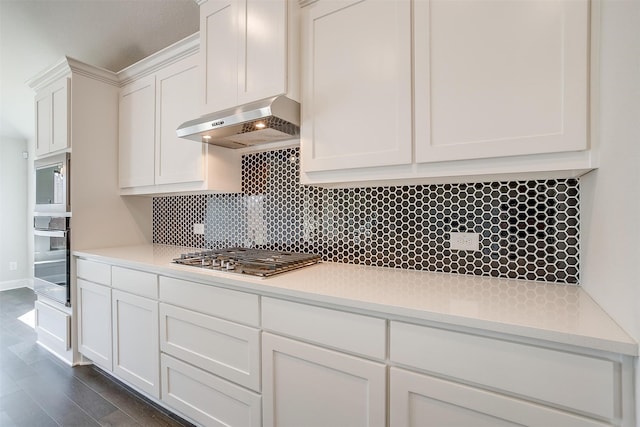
<point x="86" y="106"/>
<point x="76" y="107"/>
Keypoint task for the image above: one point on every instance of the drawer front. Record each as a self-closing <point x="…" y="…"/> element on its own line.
<point x="96" y="272"/>
<point x="54" y="324"/>
<point x="135" y="282"/>
<point x="422" y="400"/>
<point x="207" y="399"/>
<point x="345" y="331"/>
<point x="574" y="381"/>
<point x="223" y="303"/>
<point x="224" y="348"/>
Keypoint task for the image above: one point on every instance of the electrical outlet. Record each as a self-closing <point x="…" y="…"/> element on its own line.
<point x="13" y="265"/>
<point x="465" y="241"/>
<point x="198" y="228"/>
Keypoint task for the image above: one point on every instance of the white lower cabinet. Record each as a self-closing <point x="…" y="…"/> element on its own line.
<point x="135" y="341"/>
<point x="507" y="383"/>
<point x="210" y="363"/>
<point x="206" y="398"/>
<point x="94" y="323"/>
<point x="223" y="357"/>
<point x="305" y="385"/>
<point x="418" y="400"/>
<point x="53" y="326"/>
<point x="221" y="347"/>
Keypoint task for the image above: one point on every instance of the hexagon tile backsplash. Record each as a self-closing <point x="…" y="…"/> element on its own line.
<point x="528" y="229"/>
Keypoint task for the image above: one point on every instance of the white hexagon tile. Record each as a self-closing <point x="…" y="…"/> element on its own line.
<point x="528" y="229"/>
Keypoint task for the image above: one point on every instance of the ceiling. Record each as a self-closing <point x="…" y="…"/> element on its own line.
<point x="112" y="34"/>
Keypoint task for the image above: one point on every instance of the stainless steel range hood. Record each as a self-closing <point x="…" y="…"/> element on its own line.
<point x="267" y="120"/>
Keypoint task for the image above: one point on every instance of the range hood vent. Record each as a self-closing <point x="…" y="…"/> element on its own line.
<point x="267" y="120"/>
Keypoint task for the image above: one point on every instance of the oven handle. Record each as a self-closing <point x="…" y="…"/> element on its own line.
<point x="45" y="233"/>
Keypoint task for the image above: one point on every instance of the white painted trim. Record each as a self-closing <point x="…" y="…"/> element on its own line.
<point x="49" y="75"/>
<point x="15" y="284"/>
<point x="93" y="72"/>
<point x="304" y="3"/>
<point x="152" y="63"/>
<point x="64" y="67"/>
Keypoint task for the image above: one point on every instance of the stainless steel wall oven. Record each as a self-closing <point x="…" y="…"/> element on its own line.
<point x="52" y="184"/>
<point x="51" y="234"/>
<point x="52" y="258"/>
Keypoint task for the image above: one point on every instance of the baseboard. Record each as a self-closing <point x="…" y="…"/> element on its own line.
<point x="15" y="284"/>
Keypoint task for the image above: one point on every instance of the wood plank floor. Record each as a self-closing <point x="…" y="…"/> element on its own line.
<point x="38" y="390"/>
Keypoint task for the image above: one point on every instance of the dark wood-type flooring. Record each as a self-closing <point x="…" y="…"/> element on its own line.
<point x="39" y="390"/>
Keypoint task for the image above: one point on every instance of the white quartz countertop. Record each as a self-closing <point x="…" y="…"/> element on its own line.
<point x="563" y="314"/>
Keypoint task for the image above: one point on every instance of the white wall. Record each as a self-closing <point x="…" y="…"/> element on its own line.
<point x="14" y="222"/>
<point x="610" y="196"/>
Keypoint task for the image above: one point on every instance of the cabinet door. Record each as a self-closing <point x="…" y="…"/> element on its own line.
<point x="206" y="398"/>
<point x="60" y="115"/>
<point x="262" y="49"/>
<point x="219" y="53"/>
<point x="137" y="133"/>
<point x="94" y="323"/>
<point x="500" y="78"/>
<point x="178" y="97"/>
<point x="43" y="122"/>
<point x="309" y="386"/>
<point x="423" y="401"/>
<point x="135" y="341"/>
<point x="357" y="87"/>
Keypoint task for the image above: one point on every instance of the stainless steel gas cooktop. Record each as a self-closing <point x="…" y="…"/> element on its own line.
<point x="256" y="262"/>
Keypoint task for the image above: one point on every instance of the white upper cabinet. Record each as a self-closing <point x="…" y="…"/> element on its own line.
<point x="163" y="92"/>
<point x="52" y="105"/>
<point x="177" y="92"/>
<point x="501" y="78"/>
<point x="244" y="48"/>
<point x="446" y="91"/>
<point x="219" y="36"/>
<point x="137" y="133"/>
<point x="356" y="109"/>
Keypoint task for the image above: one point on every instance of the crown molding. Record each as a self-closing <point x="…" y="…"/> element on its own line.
<point x="152" y="63"/>
<point x="304" y="3"/>
<point x="65" y="67"/>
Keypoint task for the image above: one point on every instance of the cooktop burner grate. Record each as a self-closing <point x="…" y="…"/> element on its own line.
<point x="256" y="262"/>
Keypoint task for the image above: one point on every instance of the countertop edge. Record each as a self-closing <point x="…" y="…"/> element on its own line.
<point x="261" y="286"/>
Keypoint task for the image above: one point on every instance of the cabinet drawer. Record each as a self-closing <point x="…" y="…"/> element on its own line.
<point x="571" y="380"/>
<point x="422" y="400"/>
<point x="54" y="324"/>
<point x="224" y="348"/>
<point x="224" y="303"/>
<point x="346" y="331"/>
<point x="207" y="399"/>
<point x="96" y="272"/>
<point x="136" y="282"/>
